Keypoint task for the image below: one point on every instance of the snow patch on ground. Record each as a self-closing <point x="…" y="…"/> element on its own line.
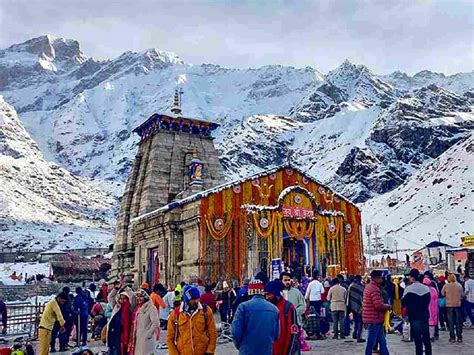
<point x="27" y="269"/>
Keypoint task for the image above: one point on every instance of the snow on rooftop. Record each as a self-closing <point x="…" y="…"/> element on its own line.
<point x="223" y="186"/>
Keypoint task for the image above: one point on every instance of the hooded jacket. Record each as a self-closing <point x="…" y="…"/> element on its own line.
<point x="434" y="307"/>
<point x="146" y="325"/>
<point x="81" y="303"/>
<point x="194" y="337"/>
<point x="118" y="326"/>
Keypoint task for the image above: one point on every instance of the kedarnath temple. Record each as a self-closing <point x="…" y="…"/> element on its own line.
<point x="179" y="218"/>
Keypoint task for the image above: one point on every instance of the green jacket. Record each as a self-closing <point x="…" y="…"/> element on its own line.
<point x="297" y="299"/>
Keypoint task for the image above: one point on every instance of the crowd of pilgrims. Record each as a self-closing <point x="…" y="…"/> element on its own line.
<point x="263" y="316"/>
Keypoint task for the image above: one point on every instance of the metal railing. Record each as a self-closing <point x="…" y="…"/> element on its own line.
<point x="23" y="319"/>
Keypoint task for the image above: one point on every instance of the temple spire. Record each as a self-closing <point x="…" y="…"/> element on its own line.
<point x="176" y="109"/>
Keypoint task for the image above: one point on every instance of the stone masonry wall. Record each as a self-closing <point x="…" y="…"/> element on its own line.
<point x="22" y="292"/>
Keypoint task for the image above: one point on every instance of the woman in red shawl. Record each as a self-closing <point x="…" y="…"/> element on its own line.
<point x="288" y="343"/>
<point x="104" y="292"/>
<point x="118" y="328"/>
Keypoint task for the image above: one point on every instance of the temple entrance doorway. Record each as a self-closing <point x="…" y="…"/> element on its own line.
<point x="294" y="253"/>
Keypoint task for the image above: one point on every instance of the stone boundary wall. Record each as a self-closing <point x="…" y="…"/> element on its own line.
<point x="10" y="293"/>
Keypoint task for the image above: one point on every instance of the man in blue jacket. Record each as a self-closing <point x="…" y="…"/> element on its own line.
<point x="256" y="324"/>
<point x="81" y="307"/>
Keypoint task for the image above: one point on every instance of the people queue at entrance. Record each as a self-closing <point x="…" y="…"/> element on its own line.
<point x="286" y="312"/>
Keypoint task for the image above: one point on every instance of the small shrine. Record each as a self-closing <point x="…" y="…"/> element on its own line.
<point x="180" y="219"/>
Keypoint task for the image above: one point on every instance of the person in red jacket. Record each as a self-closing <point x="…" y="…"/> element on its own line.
<point x="373" y="313"/>
<point x="209" y="298"/>
<point x="288" y="343"/>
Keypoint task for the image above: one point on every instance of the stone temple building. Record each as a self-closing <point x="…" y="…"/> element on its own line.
<point x="180" y="218"/>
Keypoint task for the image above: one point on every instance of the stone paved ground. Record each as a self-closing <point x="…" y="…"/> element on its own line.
<point x="350" y="347"/>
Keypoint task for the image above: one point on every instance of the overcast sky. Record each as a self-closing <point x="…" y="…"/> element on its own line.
<point x="385" y="35"/>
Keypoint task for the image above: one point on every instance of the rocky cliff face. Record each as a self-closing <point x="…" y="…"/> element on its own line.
<point x="409" y="133"/>
<point x="362" y="133"/>
<point x="349" y="83"/>
<point x="41" y="204"/>
<point x="438" y="198"/>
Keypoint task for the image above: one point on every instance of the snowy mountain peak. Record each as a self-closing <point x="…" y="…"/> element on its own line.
<point x="438" y="198"/>
<point x="162" y="56"/>
<point x="459" y="83"/>
<point x="347" y="85"/>
<point x="50" y="48"/>
<point x="428" y="75"/>
<point x="348" y="69"/>
<point x="359" y="83"/>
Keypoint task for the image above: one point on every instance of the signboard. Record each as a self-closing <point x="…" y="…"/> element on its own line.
<point x="418" y="261"/>
<point x="276" y="268"/>
<point x="296" y="211"/>
<point x="467" y="241"/>
<point x="460" y="255"/>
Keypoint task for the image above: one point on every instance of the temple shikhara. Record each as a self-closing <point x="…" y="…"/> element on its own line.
<point x="180" y="218"/>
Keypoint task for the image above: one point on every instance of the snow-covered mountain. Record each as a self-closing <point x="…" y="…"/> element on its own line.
<point x="365" y="135"/>
<point x="458" y="83"/>
<point x="42" y="205"/>
<point x="438" y="198"/>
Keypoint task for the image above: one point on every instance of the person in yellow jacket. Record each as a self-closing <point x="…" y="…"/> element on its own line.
<point x="51" y="314"/>
<point x="178" y="290"/>
<point x="191" y="327"/>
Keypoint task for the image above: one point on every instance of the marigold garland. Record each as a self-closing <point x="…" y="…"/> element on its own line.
<point x="339" y="244"/>
<point x="297" y="229"/>
<point x="219" y="235"/>
<point x="269" y="230"/>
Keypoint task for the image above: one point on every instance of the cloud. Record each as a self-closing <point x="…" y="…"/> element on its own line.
<point x="384" y="35"/>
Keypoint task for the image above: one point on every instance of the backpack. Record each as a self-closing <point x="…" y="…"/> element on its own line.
<point x="176" y="316"/>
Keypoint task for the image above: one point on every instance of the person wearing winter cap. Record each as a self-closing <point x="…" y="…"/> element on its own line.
<point x="416" y="299"/>
<point x="191" y="326"/>
<point x="288" y="343"/>
<point x="255" y="315"/>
